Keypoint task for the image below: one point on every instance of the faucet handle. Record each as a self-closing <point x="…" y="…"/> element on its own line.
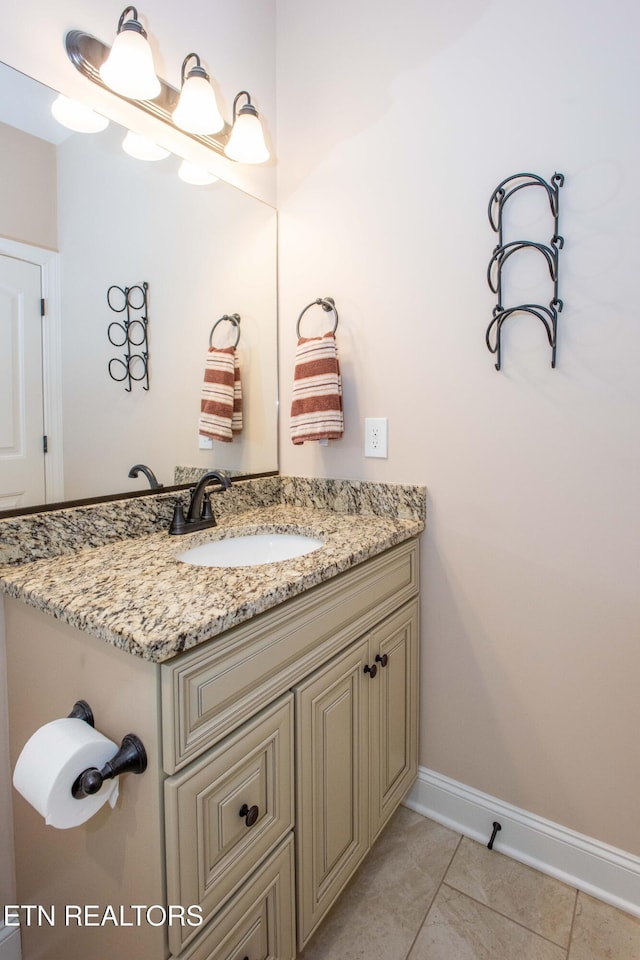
<point x="178" y="523"/>
<point x="207" y="510"/>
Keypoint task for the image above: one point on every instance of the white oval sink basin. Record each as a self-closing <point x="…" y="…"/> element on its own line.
<point x="250" y="550"/>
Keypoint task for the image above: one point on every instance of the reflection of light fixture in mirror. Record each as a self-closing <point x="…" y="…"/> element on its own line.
<point x="246" y="143"/>
<point x="128" y="70"/>
<point x="197" y="110"/>
<point x="192" y="173"/>
<point x="77" y="116"/>
<point x="141" y="148"/>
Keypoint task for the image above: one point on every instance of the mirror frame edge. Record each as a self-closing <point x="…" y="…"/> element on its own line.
<point x="17" y="512"/>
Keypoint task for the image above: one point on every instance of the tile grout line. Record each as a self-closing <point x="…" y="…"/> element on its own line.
<point x="433" y="898"/>
<point x="518" y="923"/>
<point x="573" y="923"/>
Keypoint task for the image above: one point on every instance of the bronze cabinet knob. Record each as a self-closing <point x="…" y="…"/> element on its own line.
<point x="250" y="814"/>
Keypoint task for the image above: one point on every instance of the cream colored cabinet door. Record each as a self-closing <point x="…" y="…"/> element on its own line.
<point x="226" y="811"/>
<point x="394" y="648"/>
<point x="259" y="923"/>
<point x="357" y="756"/>
<point x="332" y="735"/>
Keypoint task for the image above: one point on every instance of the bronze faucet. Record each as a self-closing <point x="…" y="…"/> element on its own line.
<point x="200" y="513"/>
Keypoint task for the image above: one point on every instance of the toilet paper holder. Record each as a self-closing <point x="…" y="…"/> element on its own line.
<point x="130" y="758"/>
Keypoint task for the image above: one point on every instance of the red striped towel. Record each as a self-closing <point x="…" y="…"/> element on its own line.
<point x="316" y="406"/>
<point x="221" y="399"/>
<point x="236" y="417"/>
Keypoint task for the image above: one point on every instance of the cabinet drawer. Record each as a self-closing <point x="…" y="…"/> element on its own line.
<point x="207" y="692"/>
<point x="259" y="923"/>
<point x="226" y="812"/>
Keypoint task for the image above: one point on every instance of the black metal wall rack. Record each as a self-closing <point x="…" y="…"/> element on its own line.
<point x="130" y="333"/>
<point x="548" y="315"/>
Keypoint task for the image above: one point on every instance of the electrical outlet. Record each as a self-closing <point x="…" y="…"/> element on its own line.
<point x="376" y="437"/>
<point x="205" y="443"/>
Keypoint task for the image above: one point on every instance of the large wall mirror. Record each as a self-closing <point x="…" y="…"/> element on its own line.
<point x="100" y="218"/>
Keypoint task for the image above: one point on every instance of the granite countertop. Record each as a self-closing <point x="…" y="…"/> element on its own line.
<point x="137" y="596"/>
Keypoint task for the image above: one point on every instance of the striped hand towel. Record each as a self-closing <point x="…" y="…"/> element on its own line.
<point x="236" y="418"/>
<point x="217" y="399"/>
<point x="316" y="406"/>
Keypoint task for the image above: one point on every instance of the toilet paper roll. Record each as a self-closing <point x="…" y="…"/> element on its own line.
<point x="51" y="761"/>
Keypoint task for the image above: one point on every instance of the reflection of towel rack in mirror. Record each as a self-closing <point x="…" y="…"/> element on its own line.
<point x="234" y="319"/>
<point x="131" y="332"/>
<point x="327" y="304"/>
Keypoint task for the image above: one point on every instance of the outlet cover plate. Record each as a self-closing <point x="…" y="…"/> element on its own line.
<point x="376" y="437"/>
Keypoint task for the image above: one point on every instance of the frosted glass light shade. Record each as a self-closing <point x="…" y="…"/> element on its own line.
<point x="246" y="143"/>
<point x="128" y="70"/>
<point x="143" y="149"/>
<point x="77" y="116"/>
<point x="197" y="110"/>
<point x="192" y="173"/>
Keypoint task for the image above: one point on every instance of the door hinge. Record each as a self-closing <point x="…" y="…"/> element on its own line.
<point x="45" y="444"/>
<point x="43" y="307"/>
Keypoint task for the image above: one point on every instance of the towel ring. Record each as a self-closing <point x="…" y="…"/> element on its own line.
<point x="233" y="318"/>
<point x="327" y="304"/>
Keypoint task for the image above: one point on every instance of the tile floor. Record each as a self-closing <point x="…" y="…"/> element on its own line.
<point x="426" y="893"/>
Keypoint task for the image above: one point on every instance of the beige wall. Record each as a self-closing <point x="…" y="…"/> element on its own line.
<point x="28" y="206"/>
<point x="396" y="122"/>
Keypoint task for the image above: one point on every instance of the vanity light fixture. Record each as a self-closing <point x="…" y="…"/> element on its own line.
<point x="246" y="143"/>
<point x="243" y="143"/>
<point x="143" y="149"/>
<point x="77" y="116"/>
<point x="197" y="110"/>
<point x="198" y="176"/>
<point x="128" y="70"/>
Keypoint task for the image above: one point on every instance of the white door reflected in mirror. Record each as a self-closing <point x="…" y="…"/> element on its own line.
<point x="22" y="478"/>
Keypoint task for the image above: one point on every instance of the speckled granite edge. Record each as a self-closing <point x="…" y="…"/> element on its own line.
<point x="140" y="597"/>
<point x="400" y="501"/>
<point x="45" y="535"/>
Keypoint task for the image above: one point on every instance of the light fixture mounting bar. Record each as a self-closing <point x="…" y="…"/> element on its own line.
<point x="87" y="54"/>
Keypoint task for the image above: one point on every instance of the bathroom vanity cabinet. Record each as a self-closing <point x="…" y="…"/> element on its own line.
<point x="277" y="752"/>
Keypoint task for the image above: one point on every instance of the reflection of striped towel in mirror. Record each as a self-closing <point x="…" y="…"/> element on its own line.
<point x="221" y="399"/>
<point x="316" y="406"/>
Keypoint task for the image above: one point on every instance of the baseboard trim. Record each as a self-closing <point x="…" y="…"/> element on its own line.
<point x="9" y="942"/>
<point x="604" y="872"/>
